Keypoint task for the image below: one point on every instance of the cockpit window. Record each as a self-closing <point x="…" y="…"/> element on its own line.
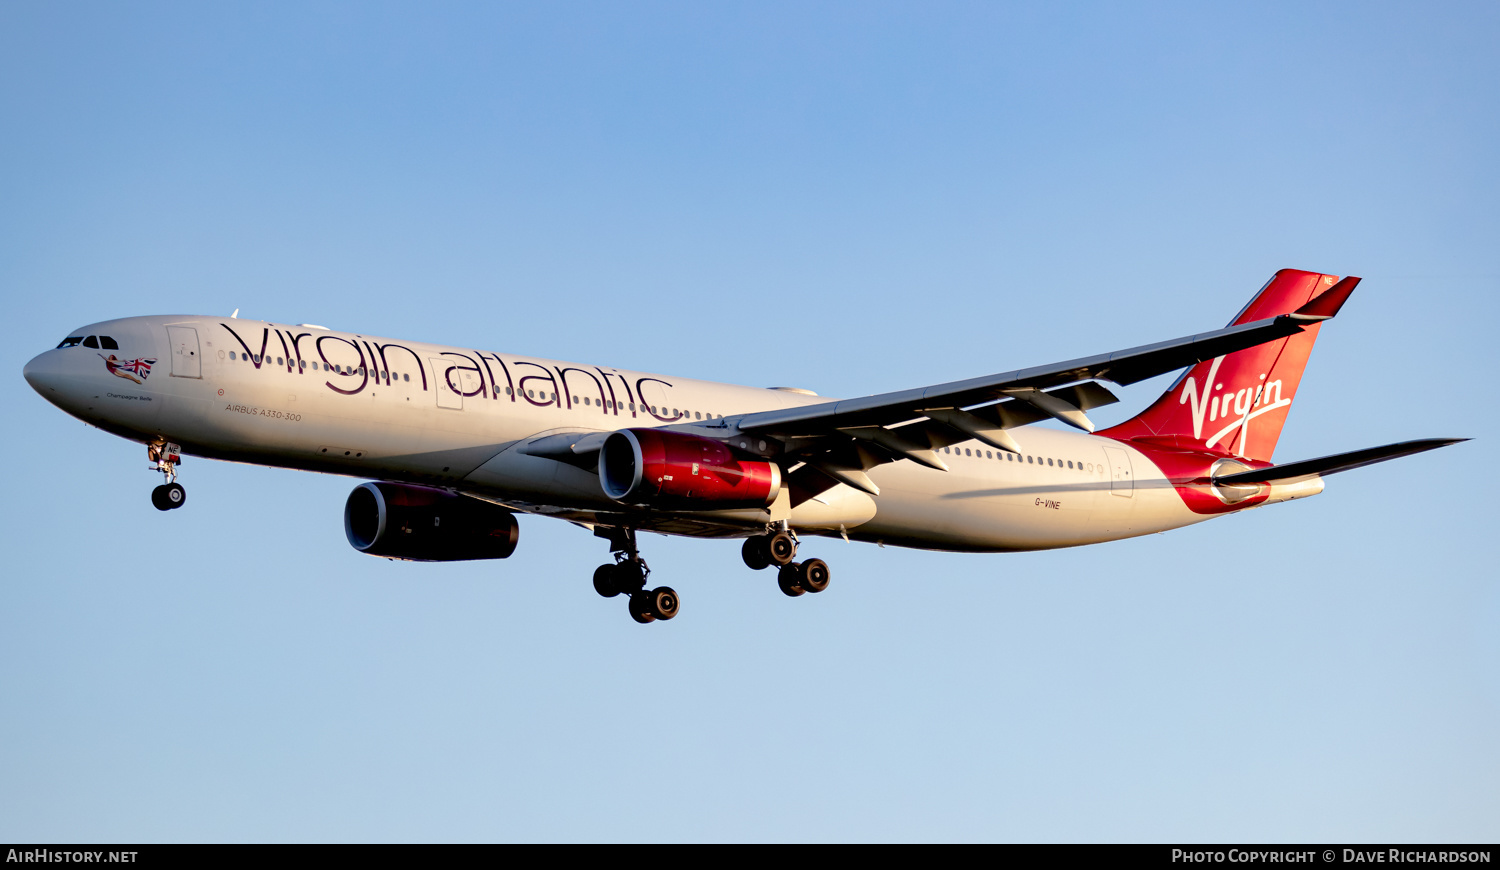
<point x="71" y="341"/>
<point x="91" y="341"/>
<point x="107" y="343"/>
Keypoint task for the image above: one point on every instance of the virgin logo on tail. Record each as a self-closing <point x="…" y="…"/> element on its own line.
<point x="1239" y="406"/>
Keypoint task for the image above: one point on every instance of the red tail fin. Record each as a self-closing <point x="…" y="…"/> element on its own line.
<point x="1237" y="404"/>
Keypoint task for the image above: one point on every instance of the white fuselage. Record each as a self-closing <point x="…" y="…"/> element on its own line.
<point x="310" y="398"/>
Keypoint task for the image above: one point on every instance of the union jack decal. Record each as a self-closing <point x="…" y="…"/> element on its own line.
<point x="128" y="369"/>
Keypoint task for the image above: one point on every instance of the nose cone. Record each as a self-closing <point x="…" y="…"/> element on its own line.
<point x="44" y="375"/>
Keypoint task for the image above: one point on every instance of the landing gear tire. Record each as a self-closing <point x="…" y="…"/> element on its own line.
<point x="782" y="548"/>
<point x="754" y="553"/>
<point x="789" y="578"/>
<point x="604" y="581"/>
<point x="813" y="575"/>
<point x="168" y="496"/>
<point x="663" y="602"/>
<point x="629" y="576"/>
<point x="640" y="608"/>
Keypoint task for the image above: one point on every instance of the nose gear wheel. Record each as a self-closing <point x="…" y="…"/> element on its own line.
<point x="170" y="495"/>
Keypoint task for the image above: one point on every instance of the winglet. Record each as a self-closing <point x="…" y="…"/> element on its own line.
<point x="1327" y="304"/>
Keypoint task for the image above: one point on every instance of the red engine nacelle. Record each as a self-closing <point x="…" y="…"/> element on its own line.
<point x="422" y="524"/>
<point x="669" y="469"/>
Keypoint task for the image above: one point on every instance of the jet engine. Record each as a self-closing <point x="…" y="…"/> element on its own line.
<point x="667" y="469"/>
<point x="422" y="524"/>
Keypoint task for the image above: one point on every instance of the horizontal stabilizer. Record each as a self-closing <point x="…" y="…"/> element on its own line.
<point x="1292" y="472"/>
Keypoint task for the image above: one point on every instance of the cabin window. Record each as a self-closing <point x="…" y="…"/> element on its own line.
<point x="1029" y="459"/>
<point x="232" y="357"/>
<point x="988" y="455"/>
<point x="697" y="415"/>
<point x="108" y="343"/>
<point x="257" y="359"/>
<point x="280" y="361"/>
<point x="632" y="407"/>
<point x="1049" y="460"/>
<point x="92" y="342"/>
<point x="71" y="341"/>
<point x="408" y="377"/>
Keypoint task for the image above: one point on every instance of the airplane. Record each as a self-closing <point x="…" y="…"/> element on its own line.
<point x="456" y="441"/>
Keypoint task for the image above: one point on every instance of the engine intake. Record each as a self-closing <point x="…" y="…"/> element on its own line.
<point x="422" y="524"/>
<point x="668" y="469"/>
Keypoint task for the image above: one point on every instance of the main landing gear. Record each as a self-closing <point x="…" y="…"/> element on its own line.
<point x="627" y="576"/>
<point x="779" y="547"/>
<point x="170" y="495"/>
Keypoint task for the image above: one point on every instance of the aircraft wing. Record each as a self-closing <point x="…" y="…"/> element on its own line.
<point x="843" y="439"/>
<point x="1294" y="472"/>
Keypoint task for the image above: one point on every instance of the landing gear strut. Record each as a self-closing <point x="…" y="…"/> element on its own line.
<point x="778" y="546"/>
<point x="627" y="576"/>
<point x="169" y="495"/>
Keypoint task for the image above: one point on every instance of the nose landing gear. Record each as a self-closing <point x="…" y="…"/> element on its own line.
<point x="170" y="495"/>
<point x="628" y="575"/>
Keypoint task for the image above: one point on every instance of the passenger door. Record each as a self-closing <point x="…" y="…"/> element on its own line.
<point x="447" y="384"/>
<point x="1120" y="481"/>
<point x="186" y="363"/>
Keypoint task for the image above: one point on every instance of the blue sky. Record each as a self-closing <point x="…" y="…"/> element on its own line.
<point x="851" y="198"/>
